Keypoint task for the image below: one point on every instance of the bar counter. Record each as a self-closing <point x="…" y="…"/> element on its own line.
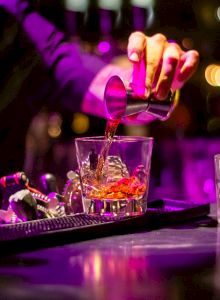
<point x="174" y="262"/>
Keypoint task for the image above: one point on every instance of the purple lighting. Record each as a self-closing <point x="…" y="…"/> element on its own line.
<point x="208" y="186"/>
<point x="104" y="47"/>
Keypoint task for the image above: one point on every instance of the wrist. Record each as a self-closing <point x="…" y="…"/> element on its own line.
<point x="94" y="97"/>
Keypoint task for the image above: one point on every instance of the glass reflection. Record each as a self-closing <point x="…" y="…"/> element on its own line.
<point x="109" y="275"/>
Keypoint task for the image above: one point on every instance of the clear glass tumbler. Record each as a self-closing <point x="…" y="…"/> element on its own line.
<point x="114" y="174"/>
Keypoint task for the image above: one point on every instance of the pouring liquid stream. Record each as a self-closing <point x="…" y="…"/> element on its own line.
<point x="110" y="131"/>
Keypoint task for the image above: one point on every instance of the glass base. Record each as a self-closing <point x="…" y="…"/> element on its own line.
<point x="116" y="207"/>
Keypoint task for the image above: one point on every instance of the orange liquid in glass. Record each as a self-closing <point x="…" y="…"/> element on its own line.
<point x="124" y="188"/>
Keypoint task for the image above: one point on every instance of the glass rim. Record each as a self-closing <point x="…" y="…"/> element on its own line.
<point x="116" y="138"/>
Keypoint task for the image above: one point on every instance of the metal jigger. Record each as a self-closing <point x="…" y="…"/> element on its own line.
<point x="121" y="102"/>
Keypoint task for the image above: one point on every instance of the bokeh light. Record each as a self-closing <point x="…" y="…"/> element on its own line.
<point x="104" y="47"/>
<point x="80" y="123"/>
<point x="213" y="125"/>
<point x="217" y="76"/>
<point x="54" y="125"/>
<point x="187" y="43"/>
<point x="212" y="74"/>
<point x="207" y="12"/>
<point x="218" y="14"/>
<point x="143" y="3"/>
<point x="110" y="5"/>
<point x="76" y="5"/>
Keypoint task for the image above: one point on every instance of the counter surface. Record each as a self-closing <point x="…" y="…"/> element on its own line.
<point x="178" y="262"/>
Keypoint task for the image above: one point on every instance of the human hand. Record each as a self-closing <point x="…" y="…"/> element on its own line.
<point x="159" y="65"/>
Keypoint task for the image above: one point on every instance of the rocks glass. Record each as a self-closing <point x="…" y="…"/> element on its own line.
<point x="114" y="174"/>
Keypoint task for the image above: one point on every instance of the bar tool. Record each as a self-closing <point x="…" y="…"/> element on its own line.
<point x="121" y="102"/>
<point x="48" y="183"/>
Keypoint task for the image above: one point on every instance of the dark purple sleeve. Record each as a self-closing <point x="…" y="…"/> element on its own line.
<point x="72" y="69"/>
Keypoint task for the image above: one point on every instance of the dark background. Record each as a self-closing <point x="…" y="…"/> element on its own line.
<point x="193" y="24"/>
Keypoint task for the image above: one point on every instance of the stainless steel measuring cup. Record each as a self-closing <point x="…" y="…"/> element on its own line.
<point x="121" y="102"/>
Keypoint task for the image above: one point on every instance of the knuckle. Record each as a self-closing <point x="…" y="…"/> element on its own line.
<point x="152" y="63"/>
<point x="175" y="46"/>
<point x="159" y="37"/>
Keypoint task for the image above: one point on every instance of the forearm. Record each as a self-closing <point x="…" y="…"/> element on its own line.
<point x="72" y="69"/>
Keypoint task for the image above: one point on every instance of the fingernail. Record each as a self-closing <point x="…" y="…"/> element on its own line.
<point x="184" y="68"/>
<point x="134" y="57"/>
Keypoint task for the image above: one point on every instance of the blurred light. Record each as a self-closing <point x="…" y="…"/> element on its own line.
<point x="187" y="43"/>
<point x="104" y="47"/>
<point x="54" y="125"/>
<point x="217" y="76"/>
<point x="213" y="72"/>
<point x="218" y="13"/>
<point x="54" y="132"/>
<point x="150" y="19"/>
<point x="210" y="74"/>
<point x="76" y="5"/>
<point x="97" y="267"/>
<point x="208" y="14"/>
<point x="147" y="5"/>
<point x="142" y="3"/>
<point x="213" y="125"/>
<point x="177" y="96"/>
<point x="110" y="5"/>
<point x="208" y="186"/>
<point x="80" y="123"/>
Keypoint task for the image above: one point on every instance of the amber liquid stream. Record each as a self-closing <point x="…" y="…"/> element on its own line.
<point x="110" y="131"/>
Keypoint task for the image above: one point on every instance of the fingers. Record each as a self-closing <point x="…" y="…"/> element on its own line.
<point x="159" y="65"/>
<point x="187" y="66"/>
<point x="136" y="46"/>
<point x="171" y="57"/>
<point x="136" y="54"/>
<point x="154" y="55"/>
<point x="177" y="67"/>
<point x="145" y="61"/>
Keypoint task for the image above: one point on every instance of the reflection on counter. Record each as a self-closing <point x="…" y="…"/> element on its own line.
<point x="100" y="270"/>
